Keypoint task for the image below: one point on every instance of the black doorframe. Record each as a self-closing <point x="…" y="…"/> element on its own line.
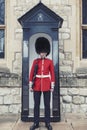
<point x="25" y="69"/>
<point x="29" y="29"/>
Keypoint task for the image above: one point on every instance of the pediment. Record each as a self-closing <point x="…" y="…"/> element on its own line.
<point x="40" y="14"/>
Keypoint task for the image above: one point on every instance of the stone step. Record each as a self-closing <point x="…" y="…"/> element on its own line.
<point x="79" y="125"/>
<point x="56" y="126"/>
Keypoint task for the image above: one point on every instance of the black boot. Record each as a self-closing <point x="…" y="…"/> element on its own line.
<point x="34" y="126"/>
<point x="49" y="127"/>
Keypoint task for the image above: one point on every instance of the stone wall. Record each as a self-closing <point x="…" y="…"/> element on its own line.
<point x="10" y="92"/>
<point x="10" y="101"/>
<point x="73" y="92"/>
<point x="73" y="82"/>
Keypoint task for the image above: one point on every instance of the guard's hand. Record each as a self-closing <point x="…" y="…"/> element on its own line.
<point x="52" y="89"/>
<point x="31" y="89"/>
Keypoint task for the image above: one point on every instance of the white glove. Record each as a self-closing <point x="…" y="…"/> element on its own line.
<point x="52" y="86"/>
<point x="30" y="86"/>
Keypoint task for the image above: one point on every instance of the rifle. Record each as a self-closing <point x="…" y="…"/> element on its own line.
<point x="34" y="76"/>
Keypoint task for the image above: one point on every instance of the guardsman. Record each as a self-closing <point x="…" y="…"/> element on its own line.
<point x="44" y="81"/>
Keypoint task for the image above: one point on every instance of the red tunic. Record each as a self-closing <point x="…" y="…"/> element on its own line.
<point x="45" y="68"/>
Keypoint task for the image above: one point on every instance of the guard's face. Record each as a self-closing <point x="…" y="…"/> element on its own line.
<point x="43" y="54"/>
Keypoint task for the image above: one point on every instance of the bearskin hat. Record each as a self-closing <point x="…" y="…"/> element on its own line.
<point x="42" y="45"/>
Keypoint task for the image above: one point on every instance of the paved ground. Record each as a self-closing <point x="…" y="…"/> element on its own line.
<point x="68" y="122"/>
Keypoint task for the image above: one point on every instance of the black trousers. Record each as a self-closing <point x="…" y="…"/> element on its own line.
<point x="37" y="97"/>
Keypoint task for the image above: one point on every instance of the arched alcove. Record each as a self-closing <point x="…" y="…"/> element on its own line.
<point x="33" y="55"/>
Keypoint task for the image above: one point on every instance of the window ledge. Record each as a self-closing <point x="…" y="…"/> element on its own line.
<point x="83" y="63"/>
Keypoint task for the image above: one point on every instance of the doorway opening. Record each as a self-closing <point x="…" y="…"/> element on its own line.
<point x="33" y="55"/>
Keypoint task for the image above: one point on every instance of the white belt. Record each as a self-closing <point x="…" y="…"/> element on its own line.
<point x="42" y="76"/>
